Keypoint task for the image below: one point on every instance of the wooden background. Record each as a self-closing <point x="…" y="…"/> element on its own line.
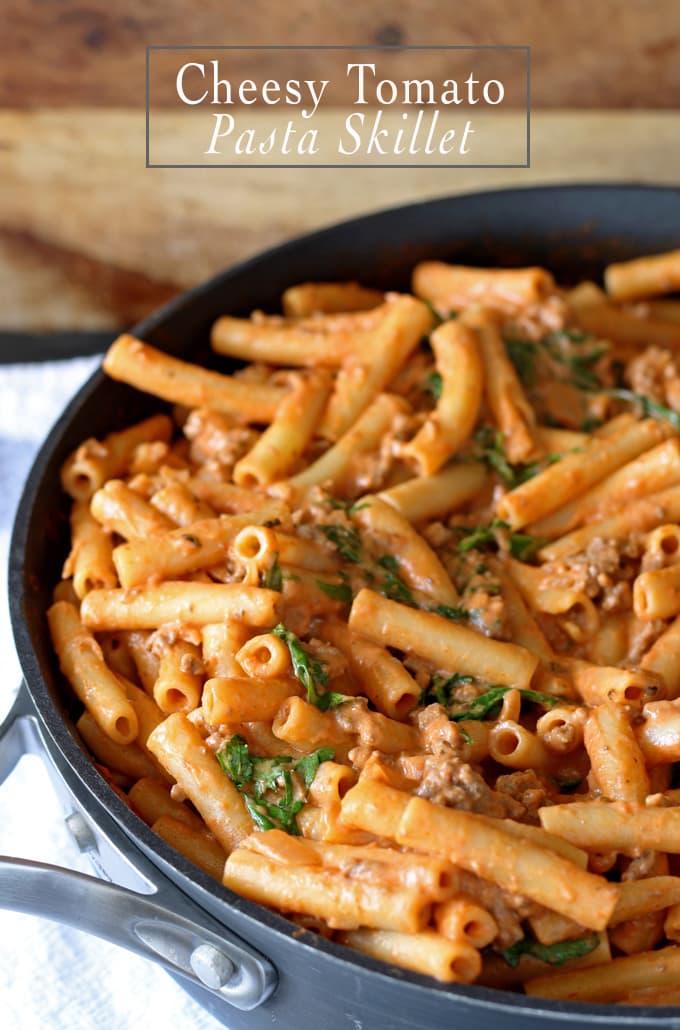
<point x="90" y="238"/>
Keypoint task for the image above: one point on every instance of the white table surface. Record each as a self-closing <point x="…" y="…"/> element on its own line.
<point x="54" y="977"/>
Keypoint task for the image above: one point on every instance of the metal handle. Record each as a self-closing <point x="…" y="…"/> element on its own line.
<point x="157" y="922"/>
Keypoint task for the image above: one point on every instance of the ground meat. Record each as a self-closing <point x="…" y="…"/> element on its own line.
<point x="651" y="372"/>
<point x="216" y="440"/>
<point x="529" y="789"/>
<point x="437" y="731"/>
<point x="604" y="571"/>
<point x="447" y="780"/>
<point x="538" y="319"/>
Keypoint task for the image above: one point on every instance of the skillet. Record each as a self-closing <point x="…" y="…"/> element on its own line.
<point x="249" y="967"/>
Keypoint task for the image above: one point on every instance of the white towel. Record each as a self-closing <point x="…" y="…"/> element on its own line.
<point x="54" y="977"/>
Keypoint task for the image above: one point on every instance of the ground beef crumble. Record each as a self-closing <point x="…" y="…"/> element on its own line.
<point x="604" y="571"/>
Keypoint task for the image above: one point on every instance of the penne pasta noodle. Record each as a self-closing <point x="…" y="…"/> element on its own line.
<point x="198" y="604"/>
<point x="451" y="423"/>
<point x="152" y="371"/>
<point x="95" y="461"/>
<point x="440" y="641"/>
<point x="428" y="497"/>
<point x="450" y="287"/>
<point x="82" y="662"/>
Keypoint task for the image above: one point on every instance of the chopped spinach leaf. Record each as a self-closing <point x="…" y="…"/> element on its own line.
<point x="308" y="765"/>
<point x="336" y="591"/>
<point x="490" y="701"/>
<point x="442" y="688"/>
<point x="523" y="354"/>
<point x="457" y="614"/>
<point x="349" y="507"/>
<point x="563" y="347"/>
<point x="347" y="541"/>
<point x="553" y="954"/>
<point x="522" y="546"/>
<point x="310" y="671"/>
<point x="272" y="578"/>
<point x="271" y="802"/>
<point x="649" y="407"/>
<point x="492" y="452"/>
<point x="392" y="585"/>
<point x="434" y="384"/>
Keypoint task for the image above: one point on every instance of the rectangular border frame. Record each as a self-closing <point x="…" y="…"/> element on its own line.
<point x="308" y="46"/>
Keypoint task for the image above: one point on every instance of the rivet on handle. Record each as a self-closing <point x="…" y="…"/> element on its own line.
<point x="211" y="966"/>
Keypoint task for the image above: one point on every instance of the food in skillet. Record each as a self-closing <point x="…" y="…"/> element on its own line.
<point x="381" y="629"/>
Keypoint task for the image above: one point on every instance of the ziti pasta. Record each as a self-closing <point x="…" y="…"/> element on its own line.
<point x="382" y="628"/>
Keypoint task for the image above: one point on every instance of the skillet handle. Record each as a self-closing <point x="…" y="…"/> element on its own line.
<point x="159" y="923"/>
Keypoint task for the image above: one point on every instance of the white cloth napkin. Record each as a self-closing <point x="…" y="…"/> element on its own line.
<point x="54" y="977"/>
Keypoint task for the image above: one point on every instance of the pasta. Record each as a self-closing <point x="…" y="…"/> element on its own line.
<point x="381" y="630"/>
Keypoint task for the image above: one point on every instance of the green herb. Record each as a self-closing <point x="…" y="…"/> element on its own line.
<point x="522" y="546"/>
<point x="491" y="700"/>
<point x="336" y="591"/>
<point x="458" y="614"/>
<point x="553" y="954"/>
<point x="650" y="408"/>
<point x="310" y="671"/>
<point x="347" y="541"/>
<point x="474" y="539"/>
<point x="270" y="776"/>
<point x="559" y="346"/>
<point x="567" y="785"/>
<point x="442" y="688"/>
<point x="590" y="424"/>
<point x="235" y="761"/>
<point x="447" y="316"/>
<point x="349" y="507"/>
<point x="433" y="384"/>
<point x="392" y="585"/>
<point x="308" y="765"/>
<point x="272" y="578"/>
<point x="523" y="354"/>
<point x="492" y="452"/>
<point x="192" y="539"/>
<point x="272" y="523"/>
